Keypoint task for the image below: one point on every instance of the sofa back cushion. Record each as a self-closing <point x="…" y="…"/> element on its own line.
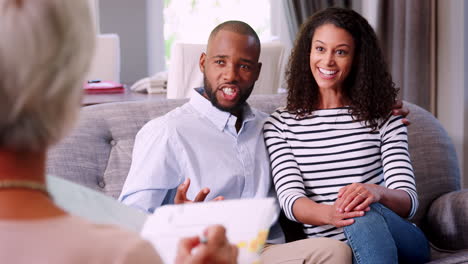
<point x="433" y="157"/>
<point x="98" y="153"/>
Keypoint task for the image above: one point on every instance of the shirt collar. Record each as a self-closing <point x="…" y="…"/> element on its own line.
<point x="218" y="117"/>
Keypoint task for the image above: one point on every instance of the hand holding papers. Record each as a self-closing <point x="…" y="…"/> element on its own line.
<point x="213" y="247"/>
<point x="247" y="222"/>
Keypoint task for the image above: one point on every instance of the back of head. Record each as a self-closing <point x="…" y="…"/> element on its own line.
<point x="238" y="27"/>
<point x="45" y="51"/>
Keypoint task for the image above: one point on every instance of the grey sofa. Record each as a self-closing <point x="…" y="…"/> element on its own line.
<point x="98" y="154"/>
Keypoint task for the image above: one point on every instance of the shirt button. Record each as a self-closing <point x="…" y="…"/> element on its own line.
<point x="101" y="184"/>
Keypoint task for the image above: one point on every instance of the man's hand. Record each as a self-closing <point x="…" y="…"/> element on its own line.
<point x="398" y="109"/>
<point x="181" y="194"/>
<point x="216" y="249"/>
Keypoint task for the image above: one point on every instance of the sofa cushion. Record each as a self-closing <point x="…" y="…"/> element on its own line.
<point x="447" y="218"/>
<point x="434" y="160"/>
<point x="98" y="152"/>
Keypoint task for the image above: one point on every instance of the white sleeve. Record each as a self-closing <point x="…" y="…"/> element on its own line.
<point x="154" y="170"/>
<point x="398" y="171"/>
<point x="287" y="177"/>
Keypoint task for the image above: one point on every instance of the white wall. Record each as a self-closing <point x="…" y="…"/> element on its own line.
<point x="139" y="25"/>
<point x="452" y="93"/>
<point x="128" y="19"/>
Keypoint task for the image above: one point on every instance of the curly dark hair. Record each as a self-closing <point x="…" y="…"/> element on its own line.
<point x="368" y="88"/>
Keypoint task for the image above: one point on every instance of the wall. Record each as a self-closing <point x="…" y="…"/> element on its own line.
<point x="155" y="33"/>
<point x="93" y="6"/>
<point x="465" y="85"/>
<point x="128" y="20"/>
<point x="452" y="92"/>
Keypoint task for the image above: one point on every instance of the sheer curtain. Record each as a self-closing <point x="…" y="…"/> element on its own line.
<point x="297" y="11"/>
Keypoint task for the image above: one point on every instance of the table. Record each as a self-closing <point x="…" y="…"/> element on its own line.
<point x="91" y="99"/>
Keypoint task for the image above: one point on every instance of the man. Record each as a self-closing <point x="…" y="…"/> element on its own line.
<point x="214" y="143"/>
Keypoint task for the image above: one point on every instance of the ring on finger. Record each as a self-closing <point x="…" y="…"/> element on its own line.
<point x="361" y="194"/>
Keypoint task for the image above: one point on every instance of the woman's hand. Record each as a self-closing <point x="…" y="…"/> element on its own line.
<point x="216" y="249"/>
<point x="358" y="197"/>
<point x="309" y="212"/>
<point x="340" y="219"/>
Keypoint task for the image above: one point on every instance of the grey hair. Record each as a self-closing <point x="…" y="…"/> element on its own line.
<point x="45" y="52"/>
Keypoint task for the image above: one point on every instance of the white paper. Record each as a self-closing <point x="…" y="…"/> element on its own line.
<point x="247" y="222"/>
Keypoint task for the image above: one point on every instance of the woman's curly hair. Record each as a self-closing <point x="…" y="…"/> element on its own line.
<point x="369" y="87"/>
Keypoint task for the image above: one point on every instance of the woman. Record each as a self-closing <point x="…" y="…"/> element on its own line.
<point x="45" y="50"/>
<point x="340" y="160"/>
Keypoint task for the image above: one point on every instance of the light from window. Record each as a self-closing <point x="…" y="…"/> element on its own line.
<point x="191" y="21"/>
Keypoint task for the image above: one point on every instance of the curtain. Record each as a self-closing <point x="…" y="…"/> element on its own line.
<point x="406" y="30"/>
<point x="297" y="11"/>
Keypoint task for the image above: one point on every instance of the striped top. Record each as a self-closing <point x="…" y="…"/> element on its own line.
<point x="315" y="156"/>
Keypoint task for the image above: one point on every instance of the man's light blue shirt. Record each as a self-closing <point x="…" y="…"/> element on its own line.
<point x="200" y="142"/>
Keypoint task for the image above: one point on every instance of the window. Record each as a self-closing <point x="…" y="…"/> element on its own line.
<point x="192" y="20"/>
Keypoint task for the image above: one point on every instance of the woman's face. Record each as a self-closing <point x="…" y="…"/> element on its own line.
<point x="331" y="56"/>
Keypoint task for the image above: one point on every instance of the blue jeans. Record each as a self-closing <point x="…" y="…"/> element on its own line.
<point x="381" y="236"/>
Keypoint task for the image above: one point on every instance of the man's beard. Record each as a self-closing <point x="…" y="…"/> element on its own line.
<point x="214" y="101"/>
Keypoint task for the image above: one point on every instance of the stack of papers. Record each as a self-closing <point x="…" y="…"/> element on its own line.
<point x="247" y="222"/>
<point x="151" y="85"/>
<point x="103" y="87"/>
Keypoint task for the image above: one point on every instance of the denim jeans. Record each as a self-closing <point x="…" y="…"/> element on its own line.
<point x="381" y="236"/>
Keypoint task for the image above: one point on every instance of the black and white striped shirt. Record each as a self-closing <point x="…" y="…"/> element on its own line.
<point x="315" y="156"/>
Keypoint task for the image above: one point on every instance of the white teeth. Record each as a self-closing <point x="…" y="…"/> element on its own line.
<point x="228" y="91"/>
<point x="326" y="71"/>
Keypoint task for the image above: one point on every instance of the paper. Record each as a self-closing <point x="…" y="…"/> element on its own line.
<point x="247" y="222"/>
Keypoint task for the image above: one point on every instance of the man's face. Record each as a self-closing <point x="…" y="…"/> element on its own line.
<point x="230" y="68"/>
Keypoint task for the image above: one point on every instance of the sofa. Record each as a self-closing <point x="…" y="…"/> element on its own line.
<point x="98" y="154"/>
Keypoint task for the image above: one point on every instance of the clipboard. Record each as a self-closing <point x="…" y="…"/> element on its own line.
<point x="247" y="222"/>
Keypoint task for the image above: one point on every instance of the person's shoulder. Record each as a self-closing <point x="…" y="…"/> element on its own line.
<point x="391" y="123"/>
<point x="391" y="120"/>
<point x="258" y="113"/>
<point x="168" y="121"/>
<point x="81" y="229"/>
<point x="280" y="113"/>
<point x="125" y="245"/>
<point x="100" y="230"/>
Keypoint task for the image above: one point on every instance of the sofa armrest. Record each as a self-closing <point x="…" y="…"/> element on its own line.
<point x="447" y="221"/>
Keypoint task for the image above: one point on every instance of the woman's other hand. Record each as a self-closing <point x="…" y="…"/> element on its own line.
<point x="357" y="197"/>
<point x="309" y="212"/>
<point x="216" y="249"/>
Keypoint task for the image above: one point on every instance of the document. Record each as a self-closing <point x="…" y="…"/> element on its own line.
<point x="247" y="222"/>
